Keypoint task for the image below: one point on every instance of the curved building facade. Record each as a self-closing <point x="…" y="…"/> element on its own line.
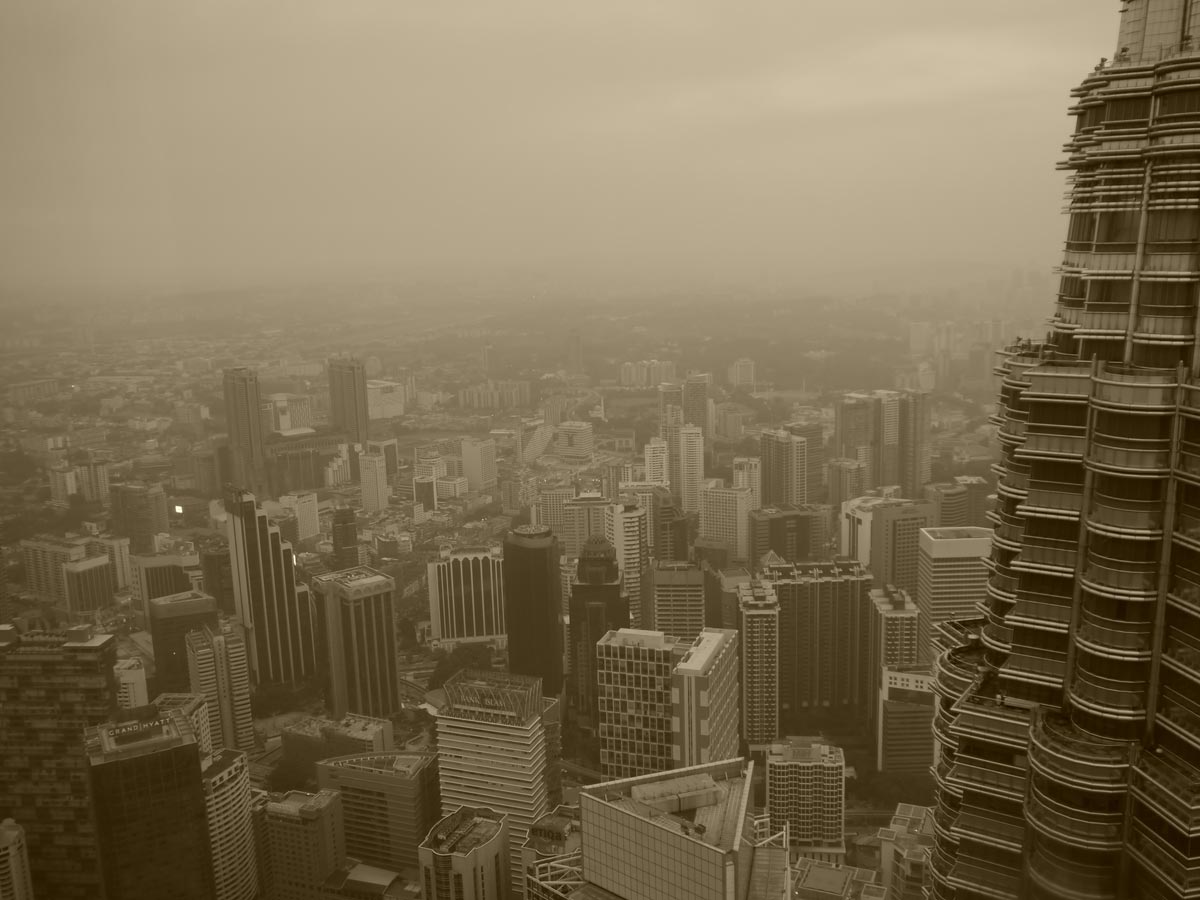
<point x="1070" y="734"/>
<point x="533" y="605"/>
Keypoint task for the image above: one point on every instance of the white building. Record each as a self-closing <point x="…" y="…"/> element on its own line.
<point x="372" y="480"/>
<point x="691" y="467"/>
<point x="627" y="528"/>
<point x="806" y="792"/>
<point x="747" y="473"/>
<point x="231" y="826"/>
<point x="131" y="684"/>
<point x="479" y="463"/>
<point x="725" y="518"/>
<point x="706" y="713"/>
<point x="951" y="578"/>
<point x="654" y="457"/>
<point x="465" y="856"/>
<point x="218" y="669"/>
<point x="304" y="507"/>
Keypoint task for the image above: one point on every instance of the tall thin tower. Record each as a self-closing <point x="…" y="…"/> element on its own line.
<point x="243" y="416"/>
<point x="1070" y="733"/>
<point x="533" y="605"/>
<point x="348" y="398"/>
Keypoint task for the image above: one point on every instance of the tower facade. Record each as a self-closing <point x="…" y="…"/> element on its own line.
<point x="691" y="467"/>
<point x="598" y="605"/>
<point x="465" y="856"/>
<point x="725" y="518"/>
<point x="466" y="596"/>
<point x="1082" y="706"/>
<point x="345" y="538"/>
<point x="373" y="482"/>
<point x="348" y="398"/>
<point x="758" y="620"/>
<point x="361" y="633"/>
<point x="952" y="579"/>
<point x="226" y="782"/>
<point x="747" y="473"/>
<point x="219" y="668"/>
<point x="784" y="468"/>
<point x="627" y="528"/>
<point x="243" y="416"/>
<point x="171" y="618"/>
<point x="706" y="708"/>
<point x="16" y="883"/>
<point x="533" y="605"/>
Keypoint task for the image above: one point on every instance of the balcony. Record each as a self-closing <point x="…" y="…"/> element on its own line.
<point x="1107" y="581"/>
<point x="1094" y="323"/>
<point x="1056" y="616"/>
<point x="1164" y="862"/>
<point x="1066" y="879"/>
<point x="1189" y="399"/>
<point x="1040" y="552"/>
<point x="985" y="878"/>
<point x="1158" y="326"/>
<point x="1123" y="515"/>
<point x="1057" y="381"/>
<point x="1171" y="789"/>
<point x="1177" y="717"/>
<point x="1185" y="590"/>
<point x="1134" y="389"/>
<point x="1053" y="503"/>
<point x="1078" y="827"/>
<point x="1187" y="525"/>
<point x="1108" y="696"/>
<point x="991" y="827"/>
<point x="997" y="637"/>
<point x="1181" y="651"/>
<point x="1063" y="754"/>
<point x="1129" y="454"/>
<point x="1188" y="461"/>
<point x="1119" y="637"/>
<point x="1055" y="446"/>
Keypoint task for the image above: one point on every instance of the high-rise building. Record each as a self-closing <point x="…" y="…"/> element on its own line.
<point x="889" y="432"/>
<point x="758" y="628"/>
<point x="139" y="512"/>
<point x="574" y="442"/>
<point x="43" y="559"/>
<point x="582" y="517"/>
<point x="465" y="857"/>
<point x="847" y="480"/>
<point x="389" y="802"/>
<point x="117" y="550"/>
<point x="533" y="606"/>
<point x="218" y="669"/>
<point x="691" y="468"/>
<point x="64" y="484"/>
<point x="492" y="749"/>
<point x="243" y="417"/>
<point x="195" y="708"/>
<point x="348" y="407"/>
<point x="627" y="528"/>
<point x="814" y="454"/>
<point x="725" y="518"/>
<point x="892" y="640"/>
<point x="131" y="683"/>
<point x="903" y="725"/>
<point x="161" y="575"/>
<point x="654" y="457"/>
<point x="952" y="577"/>
<point x="373" y="483"/>
<point x="93" y="480"/>
<point x="271" y="602"/>
<point x="16" y="881"/>
<point x="806" y="792"/>
<point x="675" y="596"/>
<point x="741" y="373"/>
<point x="360" y="632"/>
<point x="479" y="463"/>
<point x="89" y="587"/>
<point x="598" y="605"/>
<point x="949" y="499"/>
<point x="706" y="714"/>
<point x="822" y="638"/>
<point x="345" y="538"/>
<point x="1081" y="709"/>
<point x="904" y="851"/>
<point x="883" y="533"/>
<point x="53" y="685"/>
<point x="793" y="533"/>
<point x="747" y="473"/>
<point x="301" y="842"/>
<point x="979" y="500"/>
<point x="466" y="597"/>
<point x="226" y="782"/>
<point x="170" y="619"/>
<point x="784" y="468"/>
<point x="914" y="452"/>
<point x="148" y="804"/>
<point x="303" y="505"/>
<point x="633" y="675"/>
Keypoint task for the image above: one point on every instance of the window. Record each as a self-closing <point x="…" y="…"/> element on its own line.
<point x="1181" y="104"/>
<point x="1127" y="109"/>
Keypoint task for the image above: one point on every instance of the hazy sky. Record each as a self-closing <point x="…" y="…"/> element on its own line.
<point x="205" y="143"/>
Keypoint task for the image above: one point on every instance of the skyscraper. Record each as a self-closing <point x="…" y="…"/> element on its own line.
<point x="272" y="604"/>
<point x="361" y="635"/>
<point x="892" y="632"/>
<point x="783" y="468"/>
<point x="466" y="596"/>
<point x="218" y="668"/>
<point x="492" y="750"/>
<point x="345" y="538"/>
<point x="883" y="534"/>
<point x="654" y="457"/>
<point x="243" y="417"/>
<point x="301" y="842"/>
<point x="725" y="518"/>
<point x="373" y="483"/>
<point x="479" y="463"/>
<point x="758" y="628"/>
<point x="139" y="512"/>
<point x="1082" y="707"/>
<point x="226" y="782"/>
<point x="533" y="606"/>
<point x="171" y="618"/>
<point x="747" y="473"/>
<point x="675" y="595"/>
<point x="952" y="578"/>
<point x="889" y="431"/>
<point x="598" y="605"/>
<point x="706" y="714"/>
<point x="582" y="516"/>
<point x="626" y="526"/>
<point x="695" y="401"/>
<point x="793" y="533"/>
<point x="52" y="686"/>
<point x="148" y="804"/>
<point x="814" y="456"/>
<point x="348" y="398"/>
<point x="16" y="882"/>
<point x="691" y="467"/>
<point x="806" y="791"/>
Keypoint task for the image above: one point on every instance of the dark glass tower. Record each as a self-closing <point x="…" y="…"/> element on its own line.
<point x="345" y="538"/>
<point x="598" y="605"/>
<point x="533" y="605"/>
<point x="243" y="416"/>
<point x="348" y="398"/>
<point x="1070" y="727"/>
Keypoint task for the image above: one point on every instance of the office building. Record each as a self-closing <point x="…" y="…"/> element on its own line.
<point x="814" y="453"/>
<point x="574" y="442"/>
<point x="893" y="630"/>
<point x="271" y="602"/>
<point x="139" y="512"/>
<point x="492" y="750"/>
<point x="889" y="432"/>
<point x="694" y="397"/>
<point x="725" y="518"/>
<point x="466" y="597"/>
<point x="952" y="578"/>
<point x="360" y="631"/>
<point x="654" y="459"/>
<point x="345" y="538"/>
<point x="348" y="404"/>
<point x="758" y="628"/>
<point x="226" y="782"/>
<point x="303" y="505"/>
<point x="670" y="532"/>
<point x="465" y="857"/>
<point x="903" y="724"/>
<point x="883" y="533"/>
<point x="243" y="422"/>
<point x="373" y="483"/>
<point x="71" y="675"/>
<point x="218" y="669"/>
<point x="131" y="683"/>
<point x="598" y="605"/>
<point x="949" y="501"/>
<point x="627" y="528"/>
<point x="582" y="516"/>
<point x="148" y="804"/>
<point x="117" y="550"/>
<point x="479" y="463"/>
<point x="784" y="468"/>
<point x="63" y="485"/>
<point x="1082" y="710"/>
<point x="690" y="479"/>
<point x="389" y="802"/>
<point x="747" y="473"/>
<point x="92" y="477"/>
<point x="533" y="605"/>
<point x="43" y="559"/>
<point x="16" y="881"/>
<point x="822" y="638"/>
<point x="162" y="575"/>
<point x="847" y="479"/>
<point x="793" y="533"/>
<point x="676" y="599"/>
<point x="301" y="842"/>
<point x="806" y="793"/>
<point x="89" y="587"/>
<point x="170" y="619"/>
<point x="549" y="510"/>
<point x="706" y="714"/>
<point x="979" y="500"/>
<point x="633" y="675"/>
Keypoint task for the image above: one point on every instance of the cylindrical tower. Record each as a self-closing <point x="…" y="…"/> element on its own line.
<point x="533" y="605"/>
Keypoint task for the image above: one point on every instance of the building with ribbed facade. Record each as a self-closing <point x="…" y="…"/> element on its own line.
<point x="1074" y="743"/>
<point x="747" y="472"/>
<point x="492" y="749"/>
<point x="243" y="422"/>
<point x="389" y="803"/>
<point x="690" y="468"/>
<point x="783" y="468"/>
<point x="16" y="882"/>
<point x="806" y="792"/>
<point x="676" y="599"/>
<point x="598" y="605"/>
<point x="373" y="482"/>
<point x="360" y="634"/>
<point x="627" y="528"/>
<point x="43" y="559"/>
<point x="53" y="685"/>
<point x="904" y="742"/>
<point x="226" y="782"/>
<point x="758" y="629"/>
<point x="218" y="669"/>
<point x="951" y="579"/>
<point x="349" y="409"/>
<point x="466" y="597"/>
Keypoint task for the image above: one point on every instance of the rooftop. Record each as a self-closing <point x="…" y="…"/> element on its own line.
<point x="801" y="750"/>
<point x="299" y="805"/>
<point x="463" y="830"/>
<point x="401" y="762"/>
<point x="957" y="534"/>
<point x="113" y="741"/>
<point x="705" y="649"/>
<point x="356" y="582"/>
